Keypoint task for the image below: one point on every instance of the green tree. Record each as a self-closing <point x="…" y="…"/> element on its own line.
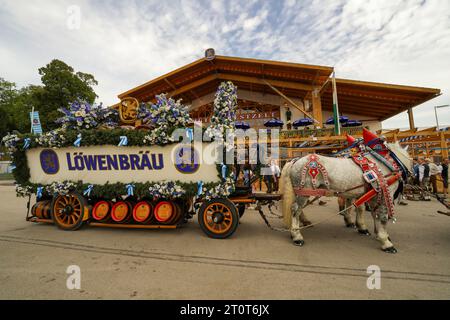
<point x="9" y="108"/>
<point x="61" y="86"/>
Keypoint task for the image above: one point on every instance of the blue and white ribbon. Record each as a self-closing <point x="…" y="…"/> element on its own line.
<point x="26" y="143"/>
<point x="200" y="188"/>
<point x="88" y="190"/>
<point x="123" y="141"/>
<point x="190" y="134"/>
<point x="39" y="192"/>
<point x="130" y="189"/>
<point x="78" y="141"/>
<point x="224" y="171"/>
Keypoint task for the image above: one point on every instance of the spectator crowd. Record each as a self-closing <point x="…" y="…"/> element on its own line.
<point x="427" y="173"/>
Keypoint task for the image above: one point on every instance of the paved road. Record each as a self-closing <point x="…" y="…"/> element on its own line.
<point x="256" y="263"/>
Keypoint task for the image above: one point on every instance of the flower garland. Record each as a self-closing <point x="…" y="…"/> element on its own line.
<point x="168" y="189"/>
<point x="11" y="141"/>
<point x="165" y="116"/>
<point x="52" y="139"/>
<point x="224" y="115"/>
<point x="23" y="191"/>
<point x="82" y="115"/>
<point x="156" y="190"/>
<point x="86" y="121"/>
<point x="60" y="188"/>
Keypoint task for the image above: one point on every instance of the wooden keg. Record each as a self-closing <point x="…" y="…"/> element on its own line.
<point x="42" y="209"/>
<point x="143" y="212"/>
<point x="177" y="213"/>
<point x="101" y="211"/>
<point x="121" y="211"/>
<point x="164" y="210"/>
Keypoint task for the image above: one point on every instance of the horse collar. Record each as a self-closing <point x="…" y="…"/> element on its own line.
<point x="313" y="168"/>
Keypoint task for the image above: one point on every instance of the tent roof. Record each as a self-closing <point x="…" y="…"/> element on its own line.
<point x="202" y="77"/>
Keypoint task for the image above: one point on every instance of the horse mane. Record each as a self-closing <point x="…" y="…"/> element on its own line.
<point x="401" y="153"/>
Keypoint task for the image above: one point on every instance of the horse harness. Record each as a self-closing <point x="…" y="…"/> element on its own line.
<point x="376" y="184"/>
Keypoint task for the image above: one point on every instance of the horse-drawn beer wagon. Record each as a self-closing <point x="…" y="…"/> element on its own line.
<point x="150" y="166"/>
<point x="141" y="170"/>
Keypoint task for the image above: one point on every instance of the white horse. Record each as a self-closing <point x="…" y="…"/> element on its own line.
<point x="343" y="175"/>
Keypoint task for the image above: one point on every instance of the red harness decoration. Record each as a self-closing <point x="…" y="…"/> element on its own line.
<point x="377" y="183"/>
<point x="313" y="168"/>
<point x="374" y="178"/>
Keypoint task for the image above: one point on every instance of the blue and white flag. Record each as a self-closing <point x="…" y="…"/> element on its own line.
<point x="36" y="127"/>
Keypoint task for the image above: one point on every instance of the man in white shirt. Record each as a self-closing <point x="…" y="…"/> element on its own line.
<point x="276" y="172"/>
<point x="434" y="171"/>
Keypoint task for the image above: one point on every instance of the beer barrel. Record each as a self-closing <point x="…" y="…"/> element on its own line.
<point x="100" y="211"/>
<point x="177" y="212"/>
<point x="142" y="212"/>
<point x="164" y="211"/>
<point x="121" y="211"/>
<point x="42" y="209"/>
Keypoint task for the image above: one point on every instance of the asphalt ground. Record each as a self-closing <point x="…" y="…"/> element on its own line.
<point x="255" y="263"/>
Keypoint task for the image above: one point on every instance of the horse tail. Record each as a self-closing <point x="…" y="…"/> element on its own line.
<point x="288" y="194"/>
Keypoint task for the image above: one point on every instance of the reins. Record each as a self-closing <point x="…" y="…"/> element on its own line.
<point x="263" y="216"/>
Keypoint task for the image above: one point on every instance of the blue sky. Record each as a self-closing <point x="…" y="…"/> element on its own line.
<point x="125" y="43"/>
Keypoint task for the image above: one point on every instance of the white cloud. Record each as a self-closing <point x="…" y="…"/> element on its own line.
<point x="127" y="43"/>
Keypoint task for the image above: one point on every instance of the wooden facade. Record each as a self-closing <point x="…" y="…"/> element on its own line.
<point x="267" y="88"/>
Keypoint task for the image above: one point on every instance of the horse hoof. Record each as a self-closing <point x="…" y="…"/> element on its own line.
<point x="299" y="243"/>
<point x="390" y="250"/>
<point x="364" y="232"/>
<point x="350" y="225"/>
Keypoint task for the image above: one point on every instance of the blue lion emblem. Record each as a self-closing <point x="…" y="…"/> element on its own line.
<point x="49" y="161"/>
<point x="186" y="159"/>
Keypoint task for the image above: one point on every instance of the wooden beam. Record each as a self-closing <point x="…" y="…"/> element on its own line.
<point x="326" y="70"/>
<point x="413" y="130"/>
<point x="346" y="109"/>
<point x="275" y="83"/>
<point x="192" y="85"/>
<point x="431" y="129"/>
<point x="291" y="102"/>
<point x="317" y="107"/>
<point x="444" y="147"/>
<point x="170" y="84"/>
<point x="378" y="96"/>
<point x="151" y="82"/>
<point x="411" y="119"/>
<point x="365" y="102"/>
<point x="378" y="85"/>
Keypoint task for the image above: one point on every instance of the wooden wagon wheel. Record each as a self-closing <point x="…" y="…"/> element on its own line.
<point x="218" y="218"/>
<point x="241" y="209"/>
<point x="68" y="211"/>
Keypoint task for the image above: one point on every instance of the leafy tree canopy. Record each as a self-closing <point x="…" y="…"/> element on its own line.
<point x="61" y="85"/>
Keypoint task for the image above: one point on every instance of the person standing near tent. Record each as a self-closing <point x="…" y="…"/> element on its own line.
<point x="424" y="173"/>
<point x="444" y="175"/>
<point x="416" y="167"/>
<point x="288" y="118"/>
<point x="276" y="173"/>
<point x="434" y="171"/>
